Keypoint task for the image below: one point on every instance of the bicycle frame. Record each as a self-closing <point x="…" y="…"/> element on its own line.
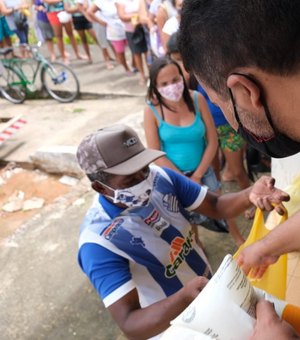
<point x="36" y="62"/>
<point x="57" y="79"/>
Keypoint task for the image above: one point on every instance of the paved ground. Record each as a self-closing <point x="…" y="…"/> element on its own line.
<point x="43" y="294"/>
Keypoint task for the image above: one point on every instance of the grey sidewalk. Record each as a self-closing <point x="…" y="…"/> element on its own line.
<point x="50" y="123"/>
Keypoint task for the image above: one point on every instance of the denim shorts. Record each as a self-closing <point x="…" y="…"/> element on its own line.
<point x="209" y="179"/>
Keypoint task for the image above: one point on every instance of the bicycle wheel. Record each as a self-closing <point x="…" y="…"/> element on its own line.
<point x="12" y="86"/>
<point x="60" y="82"/>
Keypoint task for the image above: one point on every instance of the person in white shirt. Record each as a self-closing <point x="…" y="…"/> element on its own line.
<point x="132" y="13"/>
<point x="104" y="14"/>
<point x="171" y="25"/>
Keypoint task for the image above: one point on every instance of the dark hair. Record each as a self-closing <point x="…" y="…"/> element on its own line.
<point x="172" y="44"/>
<point x="218" y="36"/>
<point x="154" y="96"/>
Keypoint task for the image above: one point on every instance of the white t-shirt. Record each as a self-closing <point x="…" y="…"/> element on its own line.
<point x="10" y="18"/>
<point x="115" y="29"/>
<point x="154" y="6"/>
<point x="130" y="6"/>
<point x="171" y="26"/>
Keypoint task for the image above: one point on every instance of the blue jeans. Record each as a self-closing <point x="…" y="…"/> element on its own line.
<point x="23" y="34"/>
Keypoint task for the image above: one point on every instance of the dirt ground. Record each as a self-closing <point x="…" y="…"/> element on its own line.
<point x="20" y="185"/>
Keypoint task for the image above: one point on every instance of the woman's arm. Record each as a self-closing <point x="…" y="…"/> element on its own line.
<point x="4" y="10"/>
<point x="153" y="140"/>
<point x="24" y="5"/>
<point x="124" y="16"/>
<point x="161" y="18"/>
<point x="91" y="15"/>
<point x="211" y="139"/>
<point x="144" y="17"/>
<point x="70" y="9"/>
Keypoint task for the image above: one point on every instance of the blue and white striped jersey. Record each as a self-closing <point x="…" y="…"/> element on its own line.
<point x="150" y="248"/>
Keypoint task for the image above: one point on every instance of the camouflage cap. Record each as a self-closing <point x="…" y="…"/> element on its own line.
<point x="116" y="150"/>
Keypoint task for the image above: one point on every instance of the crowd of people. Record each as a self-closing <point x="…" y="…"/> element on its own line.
<point x="194" y="136"/>
<point x="141" y="26"/>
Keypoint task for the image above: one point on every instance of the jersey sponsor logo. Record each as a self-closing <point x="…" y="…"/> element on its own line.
<point x="170" y="202"/>
<point x="137" y="241"/>
<point x="112" y="229"/>
<point x="180" y="249"/>
<point x="155" y="221"/>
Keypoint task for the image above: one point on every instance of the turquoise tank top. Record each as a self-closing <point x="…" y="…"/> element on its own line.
<point x="183" y="145"/>
<point x="59" y="6"/>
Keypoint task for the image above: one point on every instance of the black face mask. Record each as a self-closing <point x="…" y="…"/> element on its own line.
<point x="277" y="146"/>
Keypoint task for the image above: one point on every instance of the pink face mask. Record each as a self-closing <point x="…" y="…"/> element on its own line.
<point x="172" y="92"/>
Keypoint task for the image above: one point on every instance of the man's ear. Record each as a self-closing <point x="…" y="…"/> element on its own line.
<point x="98" y="187"/>
<point x="245" y="92"/>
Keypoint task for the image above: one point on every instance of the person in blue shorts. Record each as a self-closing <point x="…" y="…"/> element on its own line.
<point x="136" y="244"/>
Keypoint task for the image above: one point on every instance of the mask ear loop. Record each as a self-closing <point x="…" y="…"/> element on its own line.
<point x="262" y="99"/>
<point x="234" y="106"/>
<point x="105" y="185"/>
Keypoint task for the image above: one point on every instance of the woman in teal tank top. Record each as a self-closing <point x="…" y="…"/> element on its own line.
<point x="178" y="122"/>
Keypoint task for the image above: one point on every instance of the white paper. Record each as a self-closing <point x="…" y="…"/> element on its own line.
<point x="225" y="308"/>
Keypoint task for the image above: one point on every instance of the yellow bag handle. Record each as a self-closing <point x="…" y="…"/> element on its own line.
<point x="274" y="279"/>
<point x="259" y="230"/>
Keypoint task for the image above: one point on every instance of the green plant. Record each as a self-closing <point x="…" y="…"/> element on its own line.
<point x="33" y="40"/>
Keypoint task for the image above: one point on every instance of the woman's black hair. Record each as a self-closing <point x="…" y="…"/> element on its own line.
<point x="154" y="96"/>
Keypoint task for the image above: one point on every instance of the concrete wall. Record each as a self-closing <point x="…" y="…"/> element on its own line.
<point x="285" y="170"/>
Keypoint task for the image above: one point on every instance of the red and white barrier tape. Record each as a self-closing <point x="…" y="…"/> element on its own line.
<point x="9" y="130"/>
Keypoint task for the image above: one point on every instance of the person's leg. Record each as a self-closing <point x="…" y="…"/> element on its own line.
<point x="232" y="146"/>
<point x="7" y="41"/>
<point x="122" y="60"/>
<point x="234" y="232"/>
<point x="100" y="32"/>
<point x="139" y="65"/>
<point x="83" y="38"/>
<point x="93" y="34"/>
<point x="210" y="180"/>
<point x="235" y="165"/>
<point x="58" y="32"/>
<point x="21" y="34"/>
<point x="195" y="229"/>
<point x="50" y="47"/>
<point x="217" y="165"/>
<point x="69" y="30"/>
<point x="119" y="48"/>
<point x="48" y="35"/>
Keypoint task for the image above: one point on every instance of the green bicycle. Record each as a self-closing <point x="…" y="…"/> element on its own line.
<point x="18" y="77"/>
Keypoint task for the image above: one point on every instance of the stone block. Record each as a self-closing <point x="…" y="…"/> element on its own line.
<point x="57" y="159"/>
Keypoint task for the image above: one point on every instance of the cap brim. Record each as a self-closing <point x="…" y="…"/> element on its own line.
<point x="135" y="163"/>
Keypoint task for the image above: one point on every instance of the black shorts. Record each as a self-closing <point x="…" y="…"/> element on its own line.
<point x="136" y="48"/>
<point x="81" y="23"/>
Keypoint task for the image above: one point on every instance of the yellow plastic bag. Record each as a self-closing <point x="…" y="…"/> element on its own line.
<point x="293" y="205"/>
<point x="274" y="280"/>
